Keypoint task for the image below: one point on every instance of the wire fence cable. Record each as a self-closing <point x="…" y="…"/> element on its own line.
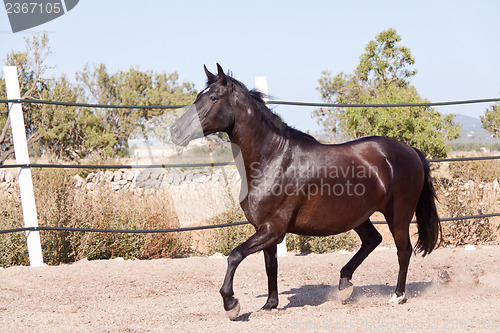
<point x="203" y="227"/>
<point x="194" y="165"/>
<point x="291" y="103"/>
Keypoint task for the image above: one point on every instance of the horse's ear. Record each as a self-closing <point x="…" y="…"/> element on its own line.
<point x="222" y="76"/>
<point x="210" y="77"/>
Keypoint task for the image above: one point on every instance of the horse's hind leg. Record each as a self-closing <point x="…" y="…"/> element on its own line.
<point x="403" y="245"/>
<point x="401" y="234"/>
<point x="370" y="239"/>
<point x="404" y="254"/>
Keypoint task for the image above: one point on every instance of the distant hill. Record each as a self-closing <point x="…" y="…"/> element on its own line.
<point x="472" y="130"/>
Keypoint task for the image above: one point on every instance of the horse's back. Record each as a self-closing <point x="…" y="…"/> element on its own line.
<point x="400" y="159"/>
<point x="378" y="144"/>
<point x="355" y="179"/>
<point x="397" y="154"/>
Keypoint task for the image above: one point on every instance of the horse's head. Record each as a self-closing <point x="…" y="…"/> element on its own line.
<point x="210" y="113"/>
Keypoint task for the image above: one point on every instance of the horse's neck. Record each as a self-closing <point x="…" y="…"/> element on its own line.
<point x="258" y="140"/>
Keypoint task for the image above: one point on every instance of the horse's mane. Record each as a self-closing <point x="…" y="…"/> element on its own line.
<point x="258" y="97"/>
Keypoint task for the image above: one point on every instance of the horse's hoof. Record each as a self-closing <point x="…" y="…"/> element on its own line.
<point x="345" y="290"/>
<point x="395" y="299"/>
<point x="270" y="305"/>
<point x="234" y="312"/>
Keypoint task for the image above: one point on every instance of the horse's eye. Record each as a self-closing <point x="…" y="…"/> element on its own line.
<point x="213" y="99"/>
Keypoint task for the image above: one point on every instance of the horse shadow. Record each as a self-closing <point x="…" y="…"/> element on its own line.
<point x="315" y="295"/>
<point x="309" y="294"/>
<point x="312" y="295"/>
<point x="318" y="294"/>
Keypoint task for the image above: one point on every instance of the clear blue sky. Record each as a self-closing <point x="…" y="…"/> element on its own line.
<point x="456" y="44"/>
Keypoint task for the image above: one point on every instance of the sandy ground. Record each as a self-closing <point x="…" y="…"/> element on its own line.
<point x="450" y="290"/>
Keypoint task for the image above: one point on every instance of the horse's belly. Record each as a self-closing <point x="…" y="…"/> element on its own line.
<point x="326" y="218"/>
<point x="327" y="227"/>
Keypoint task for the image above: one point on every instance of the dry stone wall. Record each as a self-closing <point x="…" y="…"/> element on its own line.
<point x="198" y="194"/>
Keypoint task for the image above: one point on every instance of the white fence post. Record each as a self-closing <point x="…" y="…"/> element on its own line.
<point x="24" y="173"/>
<point x="261" y="85"/>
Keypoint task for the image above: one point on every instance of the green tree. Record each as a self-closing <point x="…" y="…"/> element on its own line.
<point x="491" y="119"/>
<point x="30" y="67"/>
<point x="74" y="132"/>
<point x="64" y="132"/>
<point x="383" y="77"/>
<point x="70" y="132"/>
<point x="132" y="87"/>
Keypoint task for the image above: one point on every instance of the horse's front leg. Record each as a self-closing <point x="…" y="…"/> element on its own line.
<point x="263" y="238"/>
<point x="272" y="277"/>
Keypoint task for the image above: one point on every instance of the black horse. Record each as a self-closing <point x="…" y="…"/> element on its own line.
<point x="292" y="183"/>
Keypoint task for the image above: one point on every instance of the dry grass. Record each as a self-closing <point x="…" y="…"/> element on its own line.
<point x="60" y="204"/>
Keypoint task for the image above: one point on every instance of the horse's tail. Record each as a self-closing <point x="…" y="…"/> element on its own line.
<point x="429" y="225"/>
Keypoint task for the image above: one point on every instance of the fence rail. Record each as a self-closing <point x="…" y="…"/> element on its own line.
<point x="345" y="105"/>
<point x="203" y="227"/>
<point x="117" y="166"/>
<point x="91" y="105"/>
<point x="193" y="165"/>
<point x="275" y="102"/>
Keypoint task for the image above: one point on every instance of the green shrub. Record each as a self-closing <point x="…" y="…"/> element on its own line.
<point x="124" y="211"/>
<point x="13" y="250"/>
<point x="324" y="244"/>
